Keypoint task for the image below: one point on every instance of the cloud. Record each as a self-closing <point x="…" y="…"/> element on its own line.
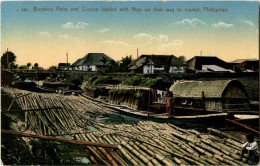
<point x="70" y="25"/>
<point x="222" y="25"/>
<point x="103" y="30"/>
<point x="248" y="22"/>
<point x="64" y="36"/>
<point x="150" y="39"/>
<point x="116" y="43"/>
<point x="175" y="44"/>
<point x="193" y="21"/>
<point x="46" y="34"/>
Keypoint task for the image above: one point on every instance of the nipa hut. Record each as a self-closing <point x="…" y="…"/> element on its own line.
<point x="219" y="96"/>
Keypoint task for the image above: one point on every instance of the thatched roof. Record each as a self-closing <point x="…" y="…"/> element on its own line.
<point x="140" y="62"/>
<point x="92" y="59"/>
<point x="156" y="60"/>
<point x="75" y="63"/>
<point x="193" y="89"/>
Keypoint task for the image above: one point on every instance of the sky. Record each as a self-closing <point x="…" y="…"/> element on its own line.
<point x="44" y="37"/>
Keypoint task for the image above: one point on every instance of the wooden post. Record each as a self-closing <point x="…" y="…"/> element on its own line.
<point x="203" y="100"/>
<point x="149" y="100"/>
<point x="12" y="103"/>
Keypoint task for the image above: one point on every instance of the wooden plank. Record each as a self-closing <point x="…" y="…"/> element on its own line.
<point x="96" y="144"/>
<point x="244" y="112"/>
<point x="188" y="108"/>
<point x="242" y="125"/>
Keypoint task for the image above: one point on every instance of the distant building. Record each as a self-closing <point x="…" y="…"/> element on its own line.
<point x="91" y="62"/>
<point x="152" y="64"/>
<point x="247" y="65"/>
<point x="63" y="66"/>
<point x="217" y="96"/>
<point x="210" y="62"/>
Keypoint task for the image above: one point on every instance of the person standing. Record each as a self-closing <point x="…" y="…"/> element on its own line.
<point x="168" y="103"/>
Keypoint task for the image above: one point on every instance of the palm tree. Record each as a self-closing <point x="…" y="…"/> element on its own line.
<point x="127" y="60"/>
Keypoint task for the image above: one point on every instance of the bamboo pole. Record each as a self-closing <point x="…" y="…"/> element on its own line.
<point x="58" y="139"/>
<point x="242" y="125"/>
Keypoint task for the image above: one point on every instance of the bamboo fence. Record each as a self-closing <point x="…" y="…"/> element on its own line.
<point x="143" y="143"/>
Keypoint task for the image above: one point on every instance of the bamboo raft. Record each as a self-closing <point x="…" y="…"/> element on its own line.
<point x="143" y="143"/>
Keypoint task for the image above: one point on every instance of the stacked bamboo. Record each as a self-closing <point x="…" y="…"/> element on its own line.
<point x="143" y="143"/>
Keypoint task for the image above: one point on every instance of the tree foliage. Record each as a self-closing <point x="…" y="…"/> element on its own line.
<point x="36" y="66"/>
<point x="182" y="58"/>
<point x="29" y="65"/>
<point x="53" y="67"/>
<point x="126" y="60"/>
<point x="11" y="58"/>
<point x="23" y="67"/>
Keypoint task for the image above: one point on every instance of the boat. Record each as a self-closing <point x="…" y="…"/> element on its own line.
<point x="126" y="110"/>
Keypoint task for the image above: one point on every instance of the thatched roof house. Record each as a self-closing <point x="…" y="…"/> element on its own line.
<point x="219" y="95"/>
<point x="91" y="62"/>
<point x="150" y="64"/>
<point x="197" y="62"/>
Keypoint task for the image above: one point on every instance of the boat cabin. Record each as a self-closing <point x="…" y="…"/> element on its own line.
<point x="214" y="96"/>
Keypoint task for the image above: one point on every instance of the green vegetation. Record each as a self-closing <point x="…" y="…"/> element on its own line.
<point x="140" y="81"/>
<point x="100" y="79"/>
<point x="11" y="60"/>
<point x="28" y="65"/>
<point x="23" y="67"/>
<point x="94" y="81"/>
<point x="119" y="66"/>
<point x="72" y="79"/>
<point x="126" y="93"/>
<point x="182" y="58"/>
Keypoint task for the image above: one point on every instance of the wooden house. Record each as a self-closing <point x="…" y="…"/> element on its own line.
<point x="152" y="64"/>
<point x="245" y="65"/>
<point x="198" y="62"/>
<point x="216" y="96"/>
<point x="91" y="62"/>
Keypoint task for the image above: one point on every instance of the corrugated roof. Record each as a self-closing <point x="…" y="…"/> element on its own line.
<point x="213" y="89"/>
<point x="217" y="68"/>
<point x="92" y="59"/>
